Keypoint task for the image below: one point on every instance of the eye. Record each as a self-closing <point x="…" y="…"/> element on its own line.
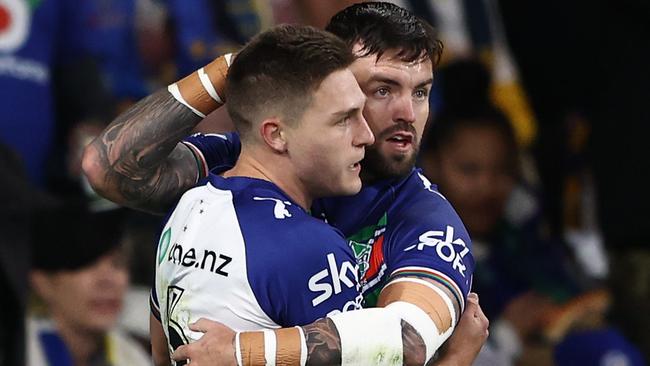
<point x="421" y="94"/>
<point x="344" y="121"/>
<point x="382" y="92"/>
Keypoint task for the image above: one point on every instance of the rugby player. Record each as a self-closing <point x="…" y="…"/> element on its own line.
<point x="411" y="245"/>
<point x="223" y="250"/>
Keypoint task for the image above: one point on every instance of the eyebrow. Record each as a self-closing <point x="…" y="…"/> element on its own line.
<point x="346" y="112"/>
<point x="389" y="81"/>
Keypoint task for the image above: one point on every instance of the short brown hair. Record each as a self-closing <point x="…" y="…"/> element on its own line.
<point x="278" y="71"/>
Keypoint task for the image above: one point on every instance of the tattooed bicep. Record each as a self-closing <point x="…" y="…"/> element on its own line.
<point x="169" y="181"/>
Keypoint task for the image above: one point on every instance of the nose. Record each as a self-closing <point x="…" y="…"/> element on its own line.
<point x="404" y="111"/>
<point x="106" y="273"/>
<point x="364" y="135"/>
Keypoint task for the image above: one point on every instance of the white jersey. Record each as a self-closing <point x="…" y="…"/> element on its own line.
<point x="239" y="251"/>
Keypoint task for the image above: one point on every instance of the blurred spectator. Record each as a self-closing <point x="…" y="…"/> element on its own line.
<point x="597" y="347"/>
<point x="519" y="275"/>
<point x="19" y="199"/>
<point x="80" y="275"/>
<point x="523" y="276"/>
<point x="597" y="69"/>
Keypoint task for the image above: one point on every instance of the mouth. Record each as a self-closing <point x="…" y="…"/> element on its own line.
<point x="106" y="305"/>
<point x="356" y="166"/>
<point x="401" y="140"/>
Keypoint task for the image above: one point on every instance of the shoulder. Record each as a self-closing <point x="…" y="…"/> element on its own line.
<point x="419" y="204"/>
<point x="126" y="350"/>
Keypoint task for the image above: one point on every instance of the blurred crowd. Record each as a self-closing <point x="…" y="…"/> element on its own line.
<point x="534" y="137"/>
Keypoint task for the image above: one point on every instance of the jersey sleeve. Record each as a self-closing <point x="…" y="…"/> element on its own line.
<point x="154" y="304"/>
<point x="214" y="152"/>
<point x="430" y="241"/>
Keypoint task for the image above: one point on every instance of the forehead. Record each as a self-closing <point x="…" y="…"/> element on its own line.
<point x="389" y="65"/>
<point x="338" y="91"/>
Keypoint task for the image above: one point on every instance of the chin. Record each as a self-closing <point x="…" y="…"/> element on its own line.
<point x="349" y="189"/>
<point x="386" y="166"/>
<point x="103" y="323"/>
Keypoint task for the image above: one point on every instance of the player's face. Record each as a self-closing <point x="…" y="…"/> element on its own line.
<point x="329" y="142"/>
<point x="89" y="299"/>
<point x="397" y="108"/>
<point x="473" y="173"/>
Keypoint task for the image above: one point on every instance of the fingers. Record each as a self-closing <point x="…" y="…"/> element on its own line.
<point x="474" y="309"/>
<point x="483" y="320"/>
<point x="182" y="353"/>
<point x="472" y="297"/>
<point x="202" y="325"/>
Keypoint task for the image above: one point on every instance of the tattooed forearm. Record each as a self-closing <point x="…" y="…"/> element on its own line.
<point x="413" y="348"/>
<point x="136" y="161"/>
<point x="323" y="343"/>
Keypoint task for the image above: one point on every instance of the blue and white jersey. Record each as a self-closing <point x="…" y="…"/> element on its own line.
<point x="400" y="227"/>
<point x="240" y="251"/>
<point x="403" y="228"/>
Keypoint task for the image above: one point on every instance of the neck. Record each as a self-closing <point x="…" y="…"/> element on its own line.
<point x="83" y="344"/>
<point x="275" y="168"/>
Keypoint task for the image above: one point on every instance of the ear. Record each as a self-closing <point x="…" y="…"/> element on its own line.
<point x="272" y="131"/>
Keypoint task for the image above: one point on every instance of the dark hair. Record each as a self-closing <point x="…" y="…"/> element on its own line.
<point x="278" y="71"/>
<point x="446" y="125"/>
<point x="70" y="237"/>
<point x="381" y="26"/>
<point x="466" y="103"/>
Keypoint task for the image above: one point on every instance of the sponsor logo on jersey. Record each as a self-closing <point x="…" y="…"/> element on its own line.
<point x="330" y="280"/>
<point x="280" y="209"/>
<point x="448" y="249"/>
<point x="208" y="260"/>
<point x="163" y="244"/>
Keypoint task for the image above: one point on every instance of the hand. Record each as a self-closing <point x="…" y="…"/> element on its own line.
<point x="215" y="347"/>
<point x="468" y="337"/>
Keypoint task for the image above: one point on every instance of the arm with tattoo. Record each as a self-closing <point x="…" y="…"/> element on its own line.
<point x="324" y="344"/>
<point x="404" y="331"/>
<point x="138" y="161"/>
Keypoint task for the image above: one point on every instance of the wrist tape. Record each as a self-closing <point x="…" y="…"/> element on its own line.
<point x="203" y="91"/>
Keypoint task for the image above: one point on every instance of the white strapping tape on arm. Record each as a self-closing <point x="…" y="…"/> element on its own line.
<point x="445" y="297"/>
<point x="432" y="336"/>
<point x="374" y="336"/>
<point x="303" y="347"/>
<point x="207" y="85"/>
<point x="369" y="337"/>
<point x="238" y="349"/>
<point x="270" y="345"/>
<point x="176" y="93"/>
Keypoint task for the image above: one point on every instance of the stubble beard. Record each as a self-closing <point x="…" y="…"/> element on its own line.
<point x="377" y="166"/>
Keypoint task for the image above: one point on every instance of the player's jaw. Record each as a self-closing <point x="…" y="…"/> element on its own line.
<point x="392" y="155"/>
